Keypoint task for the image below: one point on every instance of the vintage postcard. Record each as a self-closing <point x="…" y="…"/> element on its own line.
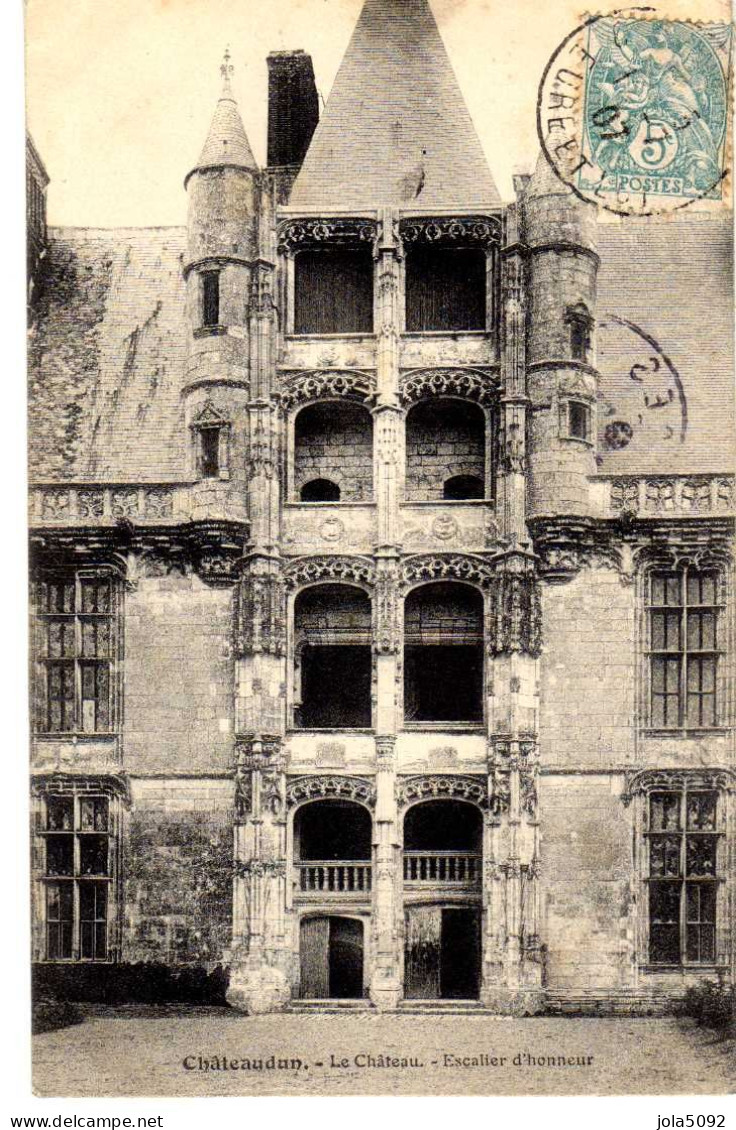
<point x="381" y="442"/>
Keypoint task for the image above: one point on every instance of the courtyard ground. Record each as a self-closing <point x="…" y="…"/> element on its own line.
<point x="157" y="1051"/>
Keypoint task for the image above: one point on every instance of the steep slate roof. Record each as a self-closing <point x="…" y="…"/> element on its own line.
<point x="670" y="276"/>
<point x="106" y="358"/>
<point x="227" y="142"/>
<point x="396" y="130"/>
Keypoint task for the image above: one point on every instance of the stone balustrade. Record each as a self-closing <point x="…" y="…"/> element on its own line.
<point x="658" y="496"/>
<point x="452" y="868"/>
<point x="338" y="877"/>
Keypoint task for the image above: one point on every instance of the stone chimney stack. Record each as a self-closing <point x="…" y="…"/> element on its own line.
<point x="293" y="107"/>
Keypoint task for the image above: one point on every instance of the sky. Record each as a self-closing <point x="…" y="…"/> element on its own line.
<point x="120" y="94"/>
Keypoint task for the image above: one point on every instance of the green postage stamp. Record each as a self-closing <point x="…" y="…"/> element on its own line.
<point x="634" y="111"/>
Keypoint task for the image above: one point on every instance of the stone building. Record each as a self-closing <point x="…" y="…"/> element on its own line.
<point x="382" y="600"/>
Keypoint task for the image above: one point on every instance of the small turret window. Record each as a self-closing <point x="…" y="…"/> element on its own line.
<point x="578" y="420"/>
<point x="210" y="298"/>
<point x="210" y="453"/>
<point x="211" y="435"/>
<point x="580" y="324"/>
<point x="461" y="487"/>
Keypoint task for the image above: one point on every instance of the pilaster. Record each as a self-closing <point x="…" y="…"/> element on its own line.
<point x="385" y="988"/>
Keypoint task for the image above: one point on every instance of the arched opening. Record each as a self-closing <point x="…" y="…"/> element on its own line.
<point x="333" y="442"/>
<point x="332" y="829"/>
<point x="443" y="854"/>
<point x="445" y="440"/>
<point x="332" y="657"/>
<point x="320" y="490"/>
<point x="443" y="825"/>
<point x="461" y="487"/>
<point x="443" y="653"/>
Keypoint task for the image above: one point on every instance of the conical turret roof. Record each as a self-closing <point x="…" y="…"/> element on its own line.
<point x="396" y="130"/>
<point x="545" y="181"/>
<point x="227" y="142"/>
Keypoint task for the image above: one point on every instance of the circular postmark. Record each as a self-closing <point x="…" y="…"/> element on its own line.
<point x="632" y="111"/>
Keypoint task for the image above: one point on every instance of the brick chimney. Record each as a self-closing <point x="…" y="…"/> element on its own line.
<point x="293" y="107"/>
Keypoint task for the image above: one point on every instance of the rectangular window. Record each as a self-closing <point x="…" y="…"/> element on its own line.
<point x="210" y="298"/>
<point x="76" y="629"/>
<point x="76" y="877"/>
<point x="683" y="850"/>
<point x="578" y="420"/>
<point x="209" y="440"/>
<point x="333" y="291"/>
<point x="683" y="649"/>
<point x="445" y="289"/>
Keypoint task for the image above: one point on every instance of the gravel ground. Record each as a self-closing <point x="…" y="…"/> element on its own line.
<point x="143" y="1052"/>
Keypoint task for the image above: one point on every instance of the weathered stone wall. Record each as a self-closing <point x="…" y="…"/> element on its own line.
<point x="178" y="851"/>
<point x="587" y="680"/>
<point x="588" y="913"/>
<point x="335" y="442"/>
<point x="443" y="439"/>
<point x="178" y="676"/>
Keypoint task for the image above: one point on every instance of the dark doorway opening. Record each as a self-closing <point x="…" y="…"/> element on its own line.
<point x="331" y="958"/>
<point x="461" y="487"/>
<point x="336" y="687"/>
<point x="442" y="954"/>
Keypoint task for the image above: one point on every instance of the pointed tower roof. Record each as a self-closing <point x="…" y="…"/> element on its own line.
<point x="227" y="142"/>
<point x="396" y="130"/>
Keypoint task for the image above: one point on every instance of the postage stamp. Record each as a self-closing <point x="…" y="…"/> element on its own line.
<point x="633" y="111"/>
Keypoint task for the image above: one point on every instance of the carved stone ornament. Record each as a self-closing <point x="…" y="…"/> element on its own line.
<point x="516" y="615"/>
<point x="258" y="751"/>
<point x="672" y="549"/>
<point x="296" y="234"/>
<point x="470" y="384"/>
<point x="386" y="631"/>
<point x="459" y="231"/>
<point x="311" y="570"/>
<point x="90" y="503"/>
<point x="261" y="615"/>
<point x="273" y="868"/>
<point x="243" y="798"/>
<point x="564" y="547"/>
<point x="446" y="566"/>
<point x="302" y="789"/>
<point x="648" y="780"/>
<point x="452" y="785"/>
<point x="335" y="384"/>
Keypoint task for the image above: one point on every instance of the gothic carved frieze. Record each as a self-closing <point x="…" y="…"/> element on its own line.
<point x="446" y="566"/>
<point x="649" y="780"/>
<point x="470" y="384"/>
<point x="261" y="615"/>
<point x="326" y="384"/>
<point x="453" y="785"/>
<point x="460" y="231"/>
<point x="312" y="570"/>
<point x="675" y="494"/>
<point x="293" y="235"/>
<point x="302" y="789"/>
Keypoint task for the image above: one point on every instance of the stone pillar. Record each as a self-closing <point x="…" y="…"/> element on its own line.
<point x="385" y="988"/>
<point x="258" y="977"/>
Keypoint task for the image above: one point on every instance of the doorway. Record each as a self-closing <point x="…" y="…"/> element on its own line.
<point x="331" y="958"/>
<point x="442" y="953"/>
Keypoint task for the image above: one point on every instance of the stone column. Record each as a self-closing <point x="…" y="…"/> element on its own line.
<point x="388" y="417"/>
<point x="385" y="988"/>
<point x="258" y="978"/>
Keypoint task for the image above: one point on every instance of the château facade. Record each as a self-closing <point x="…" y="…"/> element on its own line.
<point x="382" y="569"/>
